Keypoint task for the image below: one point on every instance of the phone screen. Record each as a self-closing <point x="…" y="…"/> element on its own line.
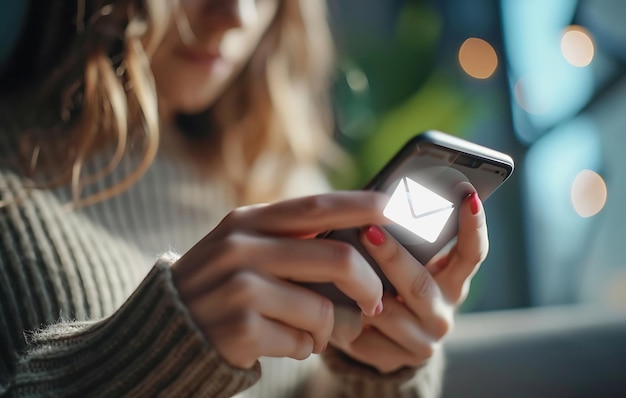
<point x="426" y="183"/>
<point x="426" y="188"/>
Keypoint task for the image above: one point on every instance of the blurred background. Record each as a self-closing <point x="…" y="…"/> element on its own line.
<point x="545" y="82"/>
<point x="540" y="80"/>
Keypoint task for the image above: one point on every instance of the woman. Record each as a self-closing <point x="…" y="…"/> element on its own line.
<point x="234" y="92"/>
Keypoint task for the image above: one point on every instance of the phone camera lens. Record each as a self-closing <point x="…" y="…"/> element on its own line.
<point x="468" y="161"/>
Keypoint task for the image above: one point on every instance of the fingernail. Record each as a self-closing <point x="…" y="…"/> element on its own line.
<point x="375" y="235"/>
<point x="324" y="348"/>
<point x="474" y="203"/>
<point x="379" y="308"/>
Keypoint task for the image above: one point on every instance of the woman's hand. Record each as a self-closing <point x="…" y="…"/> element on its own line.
<point x="235" y="280"/>
<point x="410" y="326"/>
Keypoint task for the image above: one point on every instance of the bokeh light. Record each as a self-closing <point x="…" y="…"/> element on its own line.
<point x="357" y="81"/>
<point x="528" y="99"/>
<point x="588" y="193"/>
<point x="577" y="46"/>
<point x="478" y="58"/>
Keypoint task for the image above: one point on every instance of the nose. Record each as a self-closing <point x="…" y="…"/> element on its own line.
<point x="231" y="13"/>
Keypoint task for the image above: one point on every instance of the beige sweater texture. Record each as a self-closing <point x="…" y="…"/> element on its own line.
<point x="88" y="307"/>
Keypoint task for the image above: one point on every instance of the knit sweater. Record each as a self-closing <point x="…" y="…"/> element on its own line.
<point x="88" y="306"/>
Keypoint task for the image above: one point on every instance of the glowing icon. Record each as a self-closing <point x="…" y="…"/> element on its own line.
<point x="418" y="209"/>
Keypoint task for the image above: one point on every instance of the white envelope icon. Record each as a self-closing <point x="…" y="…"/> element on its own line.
<point x="418" y="209"/>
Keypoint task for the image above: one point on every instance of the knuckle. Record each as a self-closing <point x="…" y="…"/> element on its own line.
<point x="243" y="288"/>
<point x="422" y="285"/>
<point x="473" y="257"/>
<point x="236" y="338"/>
<point x="232" y="247"/>
<point x="326" y="312"/>
<point x="424" y="354"/>
<point x="392" y="255"/>
<point x="240" y="216"/>
<point x="379" y="200"/>
<point x="440" y="327"/>
<point x="313" y="206"/>
<point x="234" y="242"/>
<point x="233" y="218"/>
<point x="345" y="256"/>
<point x="428" y="350"/>
<point x="421" y="354"/>
<point x="246" y="330"/>
<point x="459" y="292"/>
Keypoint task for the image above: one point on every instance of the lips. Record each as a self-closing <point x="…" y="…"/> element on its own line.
<point x="201" y="58"/>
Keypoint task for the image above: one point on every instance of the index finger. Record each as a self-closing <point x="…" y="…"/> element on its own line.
<point x="469" y="251"/>
<point x="314" y="214"/>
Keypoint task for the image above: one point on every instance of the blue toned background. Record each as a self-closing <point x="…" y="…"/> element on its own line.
<point x="554" y="102"/>
<point x="546" y="314"/>
<point x="11" y="14"/>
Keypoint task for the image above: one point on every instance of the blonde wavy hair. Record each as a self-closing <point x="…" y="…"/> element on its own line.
<point x="101" y="93"/>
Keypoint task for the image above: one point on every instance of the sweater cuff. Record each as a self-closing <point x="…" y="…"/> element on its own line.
<point x="149" y="347"/>
<point x="353" y="379"/>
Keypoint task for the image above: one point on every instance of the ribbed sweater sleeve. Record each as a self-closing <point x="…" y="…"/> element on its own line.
<point x="69" y="325"/>
<point x="343" y="377"/>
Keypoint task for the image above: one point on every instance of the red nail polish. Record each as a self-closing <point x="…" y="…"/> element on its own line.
<point x="474" y="203"/>
<point x="375" y="235"/>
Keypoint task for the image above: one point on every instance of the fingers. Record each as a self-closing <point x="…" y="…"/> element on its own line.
<point x="328" y="261"/>
<point x="469" y="252"/>
<point x="248" y="300"/>
<point x="413" y="282"/>
<point x="232" y="246"/>
<point x="313" y="214"/>
<point x="246" y="336"/>
<point x="374" y="349"/>
<point x="408" y="329"/>
<point x="347" y="325"/>
<point x="400" y="325"/>
<point x="313" y="260"/>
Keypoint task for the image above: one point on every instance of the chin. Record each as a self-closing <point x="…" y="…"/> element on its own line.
<point x="184" y="94"/>
<point x="190" y="103"/>
<point x="194" y="108"/>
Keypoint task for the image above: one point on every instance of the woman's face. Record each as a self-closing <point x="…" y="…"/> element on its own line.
<point x="204" y="50"/>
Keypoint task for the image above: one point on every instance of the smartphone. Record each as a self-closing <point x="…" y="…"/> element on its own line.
<point x="427" y="180"/>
